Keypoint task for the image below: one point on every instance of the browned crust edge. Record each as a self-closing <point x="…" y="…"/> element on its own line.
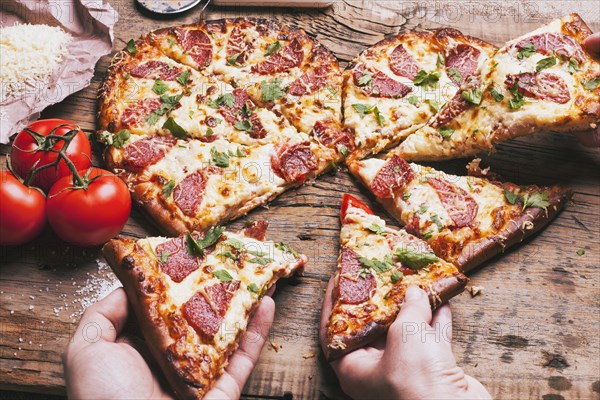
<point x="530" y="222"/>
<point x="155" y="332"/>
<point x="439" y="293"/>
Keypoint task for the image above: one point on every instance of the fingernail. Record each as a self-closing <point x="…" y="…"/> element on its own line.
<point x="413" y="293"/>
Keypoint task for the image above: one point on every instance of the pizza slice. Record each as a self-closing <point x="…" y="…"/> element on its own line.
<point x="541" y="81"/>
<point x="193" y="295"/>
<point x="376" y="266"/>
<point x="465" y="219"/>
<point x="394" y="87"/>
<point x="187" y="185"/>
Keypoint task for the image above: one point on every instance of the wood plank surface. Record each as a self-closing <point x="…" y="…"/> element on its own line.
<point x="534" y="332"/>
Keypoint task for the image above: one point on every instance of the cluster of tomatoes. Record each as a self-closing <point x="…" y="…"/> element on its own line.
<point x="51" y="180"/>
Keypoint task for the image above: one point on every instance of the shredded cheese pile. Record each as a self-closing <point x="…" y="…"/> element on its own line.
<point x="29" y="54"/>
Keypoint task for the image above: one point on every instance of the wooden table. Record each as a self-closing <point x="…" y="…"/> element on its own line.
<point x="534" y="332"/>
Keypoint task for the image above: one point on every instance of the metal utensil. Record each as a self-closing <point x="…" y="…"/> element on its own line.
<point x="166" y="7"/>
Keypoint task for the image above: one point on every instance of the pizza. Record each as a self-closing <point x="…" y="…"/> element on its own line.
<point x="206" y="122"/>
<point x="465" y="219"/>
<point x="541" y="81"/>
<point x="375" y="267"/>
<point x="397" y="85"/>
<point x="194" y="294"/>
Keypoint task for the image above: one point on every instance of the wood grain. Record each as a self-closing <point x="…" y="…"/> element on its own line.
<point x="532" y="333"/>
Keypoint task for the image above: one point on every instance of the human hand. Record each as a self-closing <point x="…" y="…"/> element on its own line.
<point x="102" y="361"/>
<point x="414" y="361"/>
<point x="591" y="138"/>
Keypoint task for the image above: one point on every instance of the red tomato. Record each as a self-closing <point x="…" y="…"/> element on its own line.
<point x="22" y="211"/>
<point x="348" y="201"/>
<point x="89" y="216"/>
<point x="28" y="152"/>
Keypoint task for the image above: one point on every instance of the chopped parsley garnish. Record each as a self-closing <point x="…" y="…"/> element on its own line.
<point x="423" y="209"/>
<point x="117" y="139"/>
<point x="175" y="129"/>
<point x="221" y="159"/>
<point x="473" y="96"/>
<point x="272" y="90"/>
<point x="253" y="288"/>
<point x="526" y="51"/>
<point x="517" y="101"/>
<point x="364" y="109"/>
<point x="223" y="275"/>
<point x="591" y="84"/>
<point x="183" y="78"/>
<point x="376" y="229"/>
<point x="413" y="259"/>
<point x="332" y="91"/>
<point x="545" y="63"/>
<point x="573" y="66"/>
<point x="233" y="59"/>
<point x="365" y="79"/>
<point x="247" y="110"/>
<point x="496" y="94"/>
<point x="536" y="200"/>
<point x="256" y="253"/>
<point x="436" y="220"/>
<point x="168" y="187"/>
<point x="168" y="103"/>
<point x="159" y="86"/>
<point x="273" y="48"/>
<point x="446" y="132"/>
<point x="260" y="260"/>
<point x="511" y="197"/>
<point x="396" y="276"/>
<point x="375" y="264"/>
<point x="455" y="73"/>
<point x="131" y="48"/>
<point x="414" y="100"/>
<point x="343" y="150"/>
<point x="227" y="254"/>
<point x="196" y="247"/>
<point x="164" y="256"/>
<point x="427" y="80"/>
<point x="244" y="126"/>
<point x="434" y="105"/>
<point x="235" y="243"/>
<point x="226" y="99"/>
<point x="286" y="249"/>
<point x="427" y="235"/>
<point x="580" y="252"/>
<point x="209" y="132"/>
<point x="440" y="61"/>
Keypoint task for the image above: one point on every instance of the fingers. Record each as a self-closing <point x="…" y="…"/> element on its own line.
<point x="592" y="43"/>
<point x="325" y="313"/>
<point x="442" y="322"/>
<point x="103" y="320"/>
<point x="245" y="357"/>
<point x="414" y="316"/>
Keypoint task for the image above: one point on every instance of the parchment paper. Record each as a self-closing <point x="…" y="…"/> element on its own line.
<point x="90" y="23"/>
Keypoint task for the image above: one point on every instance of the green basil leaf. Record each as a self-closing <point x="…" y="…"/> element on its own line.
<point x="272" y="90"/>
<point x="253" y="288"/>
<point x="427" y="79"/>
<point x="220" y="159"/>
<point x="473" y="96"/>
<point x="414" y="100"/>
<point x="591" y="84"/>
<point x="273" y="48"/>
<point x="526" y="51"/>
<point x="260" y="260"/>
<point x="573" y="66"/>
<point x="455" y="73"/>
<point x="223" y="275"/>
<point x="183" y="78"/>
<point x="545" y="63"/>
<point x="496" y="95"/>
<point x="365" y="79"/>
<point x="168" y="187"/>
<point x="415" y="260"/>
<point x="436" y="220"/>
<point x="396" y="276"/>
<point x="175" y="129"/>
<point x="286" y="249"/>
<point x="511" y="197"/>
<point x="131" y="48"/>
<point x="446" y="132"/>
<point x="159" y="86"/>
<point x="376" y="229"/>
<point x="536" y="200"/>
<point x="244" y="125"/>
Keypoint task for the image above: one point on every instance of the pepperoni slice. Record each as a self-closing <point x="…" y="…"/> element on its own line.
<point x="542" y="86"/>
<point x="414" y="225"/>
<point x="461" y="207"/>
<point x="381" y="85"/>
<point x="464" y="58"/>
<point x="257" y="230"/>
<point x="156" y="69"/>
<point x="237" y="45"/>
<point x="550" y="42"/>
<point x="331" y="135"/>
<point x="403" y="64"/>
<point x="310" y="81"/>
<point x="456" y="106"/>
<point x="179" y="263"/>
<point x="138" y="112"/>
<point x="205" y="311"/>
<point x="147" y="151"/>
<point x="233" y="113"/>
<point x="188" y="194"/>
<point x="353" y="288"/>
<point x="293" y="162"/>
<point x="258" y="130"/>
<point x="196" y="44"/>
<point x="395" y="174"/>
<point x="289" y="57"/>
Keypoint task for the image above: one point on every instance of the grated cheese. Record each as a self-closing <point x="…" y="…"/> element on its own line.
<point x="29" y="54"/>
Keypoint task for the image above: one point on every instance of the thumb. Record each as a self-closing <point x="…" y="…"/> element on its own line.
<point x="413" y="318"/>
